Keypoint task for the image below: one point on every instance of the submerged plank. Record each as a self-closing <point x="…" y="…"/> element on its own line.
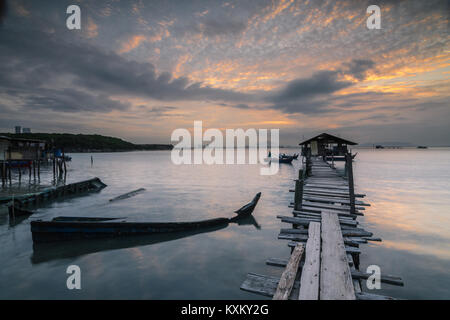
<point x="335" y="276"/>
<point x="127" y="195"/>
<point x="309" y="281"/>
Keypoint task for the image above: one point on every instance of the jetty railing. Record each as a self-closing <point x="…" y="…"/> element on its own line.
<point x="324" y="239"/>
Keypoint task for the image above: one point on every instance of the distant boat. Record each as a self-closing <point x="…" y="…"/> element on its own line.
<point x="379" y="147"/>
<point x="281" y="159"/>
<point x="69" y="228"/>
<point x="422" y="147"/>
<point x="286" y="159"/>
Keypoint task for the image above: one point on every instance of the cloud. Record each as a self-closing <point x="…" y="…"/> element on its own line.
<point x="358" y="68"/>
<point x="214" y="27"/>
<point x="314" y="94"/>
<point x="92" y="29"/>
<point x="33" y="62"/>
<point x="132" y="43"/>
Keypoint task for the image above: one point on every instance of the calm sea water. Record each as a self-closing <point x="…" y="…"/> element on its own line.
<point x="409" y="191"/>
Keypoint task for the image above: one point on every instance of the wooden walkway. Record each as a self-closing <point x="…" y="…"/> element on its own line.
<point x="324" y="239"/>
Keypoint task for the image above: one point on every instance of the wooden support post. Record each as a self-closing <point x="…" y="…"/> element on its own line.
<point x="3" y="172"/>
<point x="34" y="170"/>
<point x="300" y="174"/>
<point x="64" y="162"/>
<point x="298" y="195"/>
<point x="9" y="172"/>
<point x="54" y="166"/>
<point x="39" y="169"/>
<point x="351" y="188"/>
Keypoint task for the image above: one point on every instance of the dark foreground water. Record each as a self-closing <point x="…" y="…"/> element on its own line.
<point x="409" y="191"/>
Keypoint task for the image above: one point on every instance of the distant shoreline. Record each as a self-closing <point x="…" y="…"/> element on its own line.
<point x="88" y="143"/>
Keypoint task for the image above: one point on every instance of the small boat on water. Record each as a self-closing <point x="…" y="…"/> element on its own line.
<point x="69" y="228"/>
<point x="422" y="147"/>
<point x="286" y="159"/>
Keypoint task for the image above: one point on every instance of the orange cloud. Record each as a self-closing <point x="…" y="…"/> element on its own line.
<point x="132" y="43"/>
<point x="92" y="29"/>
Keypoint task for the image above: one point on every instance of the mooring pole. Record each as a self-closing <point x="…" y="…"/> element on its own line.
<point x="298" y="194"/>
<point x="351" y="188"/>
<point x="64" y="161"/>
<point x="9" y="172"/>
<point x="3" y="172"/>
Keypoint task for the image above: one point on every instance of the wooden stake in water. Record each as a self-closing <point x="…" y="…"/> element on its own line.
<point x="351" y="188"/>
<point x="298" y="194"/>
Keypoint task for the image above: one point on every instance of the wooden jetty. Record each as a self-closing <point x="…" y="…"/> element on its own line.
<point x="94" y="184"/>
<point x="324" y="240"/>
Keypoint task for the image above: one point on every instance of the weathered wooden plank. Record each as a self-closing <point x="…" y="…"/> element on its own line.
<point x="288" y="277"/>
<point x="333" y="200"/>
<point x="277" y="262"/>
<point x="304" y="238"/>
<point x="330" y="207"/>
<point x="309" y="281"/>
<point x="350" y="250"/>
<point x="266" y="285"/>
<point x="127" y="195"/>
<point x="371" y="296"/>
<point x="318" y="214"/>
<point x="305" y="221"/>
<point x="353" y="232"/>
<point x="335" y="277"/>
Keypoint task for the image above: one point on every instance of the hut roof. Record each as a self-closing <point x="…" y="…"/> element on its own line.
<point x="327" y="138"/>
<point x="22" y="139"/>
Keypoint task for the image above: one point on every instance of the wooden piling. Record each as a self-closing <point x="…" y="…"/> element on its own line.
<point x="351" y="188"/>
<point x="298" y="195"/>
<point x="9" y="172"/>
<point x="54" y="166"/>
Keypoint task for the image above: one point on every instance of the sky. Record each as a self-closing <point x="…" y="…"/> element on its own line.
<point x="140" y="69"/>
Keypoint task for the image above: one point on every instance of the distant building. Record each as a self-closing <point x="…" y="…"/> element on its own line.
<point x="26" y="130"/>
<point x="17" y="149"/>
<point x="325" y="144"/>
<point x="18" y="129"/>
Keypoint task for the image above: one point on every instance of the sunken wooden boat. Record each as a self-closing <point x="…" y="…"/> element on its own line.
<point x="65" y="228"/>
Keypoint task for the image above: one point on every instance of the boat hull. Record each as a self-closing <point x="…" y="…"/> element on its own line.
<point x="47" y="231"/>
